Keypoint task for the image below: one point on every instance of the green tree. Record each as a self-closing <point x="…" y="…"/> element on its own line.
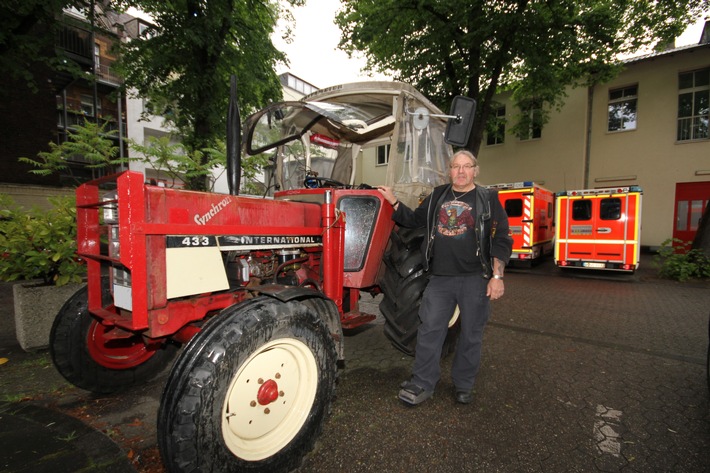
<point x="183" y="64"/>
<point x="176" y="163"/>
<point x="89" y="142"/>
<point x="532" y="48"/>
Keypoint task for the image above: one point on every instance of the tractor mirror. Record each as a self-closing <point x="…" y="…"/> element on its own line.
<point x="458" y="129"/>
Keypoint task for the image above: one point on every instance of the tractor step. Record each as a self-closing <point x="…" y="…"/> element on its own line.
<point x="352" y="320"/>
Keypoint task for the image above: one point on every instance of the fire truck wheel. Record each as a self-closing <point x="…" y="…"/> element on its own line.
<point x="250" y="392"/>
<point x="403" y="284"/>
<point x="87" y="360"/>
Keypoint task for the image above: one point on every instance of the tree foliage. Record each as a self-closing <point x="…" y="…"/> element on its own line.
<point x="532" y="48"/>
<point x="175" y="163"/>
<point x="90" y="142"/>
<point x="184" y="63"/>
<point x="676" y="259"/>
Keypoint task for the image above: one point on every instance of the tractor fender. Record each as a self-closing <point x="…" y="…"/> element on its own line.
<point x="323" y="306"/>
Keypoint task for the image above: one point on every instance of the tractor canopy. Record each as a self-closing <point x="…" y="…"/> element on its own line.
<point x="325" y="133"/>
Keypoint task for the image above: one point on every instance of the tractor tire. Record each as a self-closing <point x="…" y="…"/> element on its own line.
<point x="83" y="357"/>
<point x="250" y="392"/>
<point x="403" y="284"/>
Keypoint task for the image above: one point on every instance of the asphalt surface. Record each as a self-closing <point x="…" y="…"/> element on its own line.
<point x="582" y="372"/>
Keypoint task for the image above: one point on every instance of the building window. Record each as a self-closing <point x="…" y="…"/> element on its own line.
<point x="97" y="56"/>
<point x="689" y="214"/>
<point x="622" y="108"/>
<point x="383" y="155"/>
<point x="693" y="105"/>
<point x="496" y="125"/>
<point x="530" y="126"/>
<point x="87" y="105"/>
<point x="297" y="84"/>
<point x="145" y="30"/>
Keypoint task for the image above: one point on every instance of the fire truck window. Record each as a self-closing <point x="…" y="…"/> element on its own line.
<point x="582" y="210"/>
<point x="514" y="207"/>
<point x="610" y="209"/>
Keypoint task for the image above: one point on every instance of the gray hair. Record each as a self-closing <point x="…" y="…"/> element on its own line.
<point x="466" y="153"/>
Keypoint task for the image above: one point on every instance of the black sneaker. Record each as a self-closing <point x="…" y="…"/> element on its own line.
<point x="412" y="394"/>
<point x="464" y="397"/>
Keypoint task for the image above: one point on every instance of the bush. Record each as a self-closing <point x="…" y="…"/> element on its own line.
<point x="680" y="262"/>
<point x="39" y="244"/>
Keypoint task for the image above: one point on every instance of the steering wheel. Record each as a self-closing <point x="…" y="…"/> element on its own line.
<point x="314" y="182"/>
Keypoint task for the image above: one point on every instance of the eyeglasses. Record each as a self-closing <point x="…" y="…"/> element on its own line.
<point x="465" y="167"/>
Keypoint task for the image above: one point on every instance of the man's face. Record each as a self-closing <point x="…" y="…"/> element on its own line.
<point x="462" y="172"/>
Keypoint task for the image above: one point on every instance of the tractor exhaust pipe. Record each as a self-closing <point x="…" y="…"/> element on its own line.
<point x="234" y="142"/>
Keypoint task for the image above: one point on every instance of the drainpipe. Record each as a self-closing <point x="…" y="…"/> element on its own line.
<point x="588" y="143"/>
<point x="120" y="128"/>
<point x="65" y="115"/>
<point x="94" y="69"/>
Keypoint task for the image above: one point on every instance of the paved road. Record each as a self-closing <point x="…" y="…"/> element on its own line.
<point x="582" y="372"/>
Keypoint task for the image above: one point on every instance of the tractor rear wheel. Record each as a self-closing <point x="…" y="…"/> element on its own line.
<point x="89" y="357"/>
<point x="250" y="392"/>
<point x="403" y="284"/>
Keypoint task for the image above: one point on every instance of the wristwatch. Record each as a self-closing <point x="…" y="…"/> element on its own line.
<point x="497" y="276"/>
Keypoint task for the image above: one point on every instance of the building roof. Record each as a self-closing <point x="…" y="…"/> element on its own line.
<point x="668" y="52"/>
<point x="704" y="43"/>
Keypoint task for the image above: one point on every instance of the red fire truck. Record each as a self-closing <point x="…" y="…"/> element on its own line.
<point x="530" y="215"/>
<point x="599" y="228"/>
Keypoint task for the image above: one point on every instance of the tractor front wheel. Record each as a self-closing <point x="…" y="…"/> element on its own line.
<point x="89" y="357"/>
<point x="251" y="390"/>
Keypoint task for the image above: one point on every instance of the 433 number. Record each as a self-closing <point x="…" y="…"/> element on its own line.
<point x="196" y="240"/>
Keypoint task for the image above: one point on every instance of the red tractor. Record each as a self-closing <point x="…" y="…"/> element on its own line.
<point x="255" y="292"/>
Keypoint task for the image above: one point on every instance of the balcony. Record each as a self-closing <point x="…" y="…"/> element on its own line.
<point x="77" y="44"/>
<point x="76" y="118"/>
<point x="105" y="74"/>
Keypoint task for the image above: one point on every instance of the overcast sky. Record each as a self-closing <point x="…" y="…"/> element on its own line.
<point x="314" y="55"/>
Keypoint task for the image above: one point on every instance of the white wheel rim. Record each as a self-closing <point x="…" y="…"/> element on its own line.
<point x="269" y="399"/>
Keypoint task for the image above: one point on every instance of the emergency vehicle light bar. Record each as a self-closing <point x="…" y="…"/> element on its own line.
<point x="512" y="185"/>
<point x="606" y="190"/>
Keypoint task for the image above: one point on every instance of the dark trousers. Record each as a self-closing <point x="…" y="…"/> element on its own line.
<point x="442" y="295"/>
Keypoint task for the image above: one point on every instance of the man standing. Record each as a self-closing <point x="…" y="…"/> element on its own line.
<point x="467" y="247"/>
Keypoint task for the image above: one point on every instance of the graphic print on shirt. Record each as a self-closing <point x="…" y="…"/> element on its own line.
<point x="455" y="219"/>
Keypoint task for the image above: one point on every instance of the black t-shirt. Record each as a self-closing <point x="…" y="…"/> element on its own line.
<point x="455" y="249"/>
